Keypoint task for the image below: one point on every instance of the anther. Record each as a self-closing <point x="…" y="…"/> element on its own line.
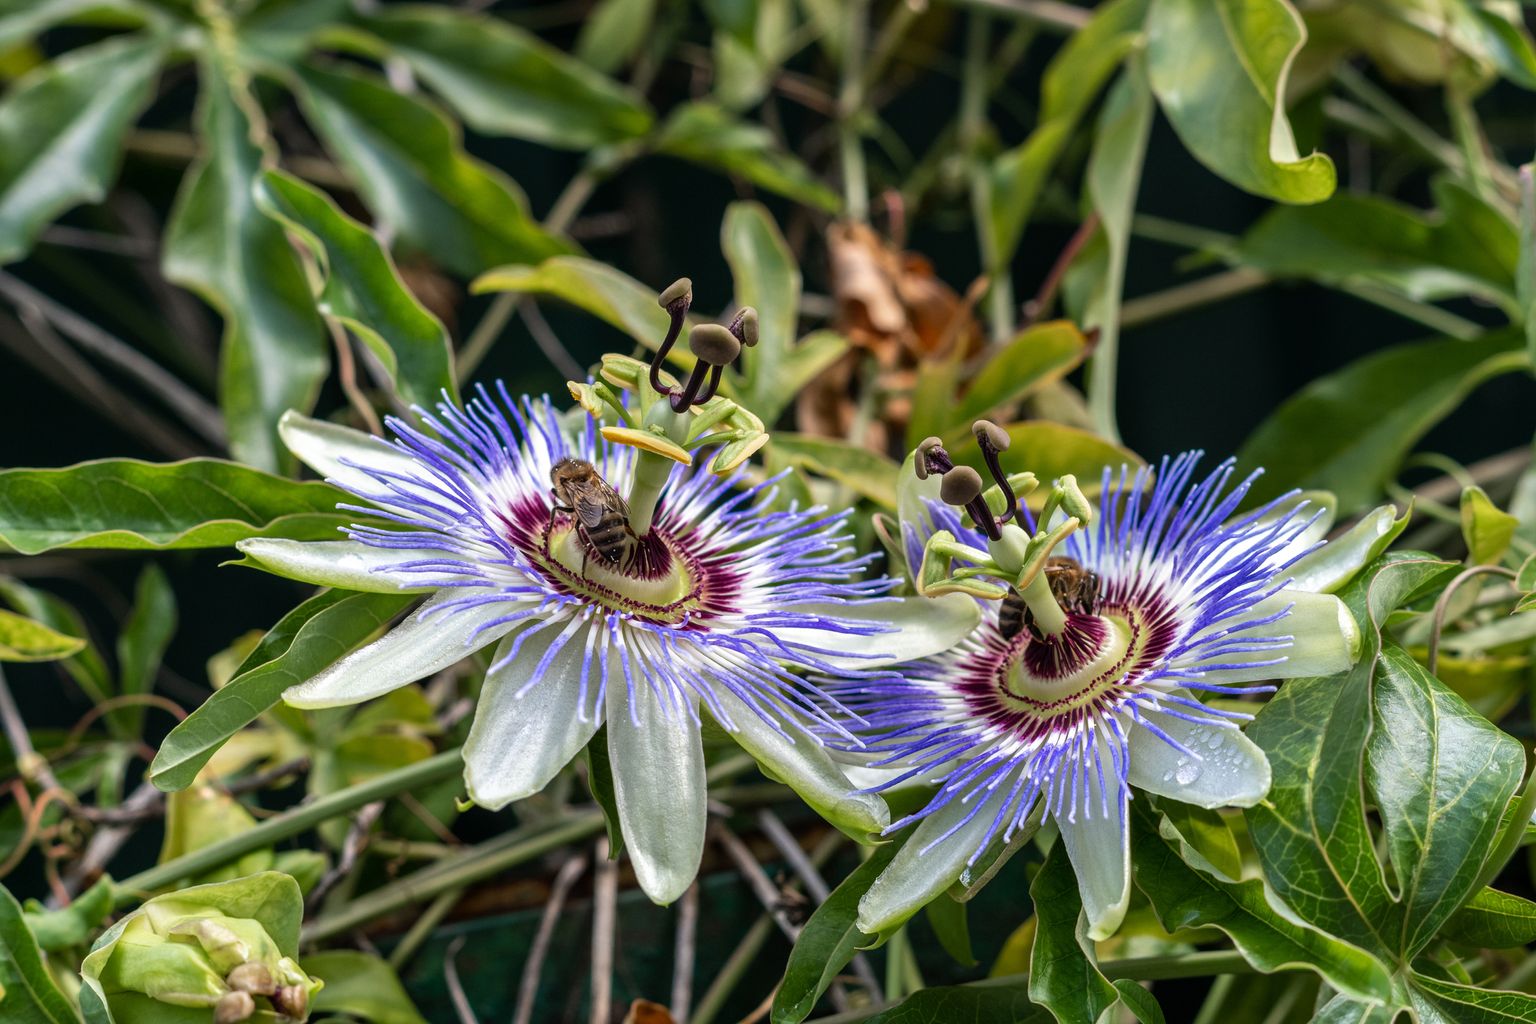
<point x="932" y="458"/>
<point x="675" y="299"/>
<point x="744" y="327"/>
<point x="713" y="344"/>
<point x="993" y="439"/>
<point x="961" y="486"/>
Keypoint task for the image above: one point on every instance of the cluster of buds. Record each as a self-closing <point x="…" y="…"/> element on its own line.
<point x="1013" y="555"/>
<point x="673" y="419"/>
<point x="228" y="947"/>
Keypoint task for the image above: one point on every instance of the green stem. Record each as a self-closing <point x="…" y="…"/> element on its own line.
<point x="290" y="823"/>
<point x="850" y="108"/>
<point x="490" y="857"/>
<point x="1042" y="605"/>
<point x="1172" y="301"/>
<point x="1469" y="139"/>
<point x="974" y="93"/>
<point x="422" y="927"/>
<point x="895" y="965"/>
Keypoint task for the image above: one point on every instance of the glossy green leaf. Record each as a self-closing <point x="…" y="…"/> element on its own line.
<point x="218" y="244"/>
<point x="1486" y="528"/>
<point x="1441" y="774"/>
<point x="606" y="293"/>
<point x="1113" y="179"/>
<point x="868" y="473"/>
<point x="1035" y="356"/>
<point x="86" y="666"/>
<point x="198" y="817"/>
<point x="1063" y="975"/>
<point x="707" y="134"/>
<point x="73" y="925"/>
<point x="411" y="169"/>
<point x="613" y="33"/>
<point x="306" y="640"/>
<point x="62" y="130"/>
<point x="1050" y="450"/>
<point x="504" y="81"/>
<point x="146" y="632"/>
<point x="363" y="291"/>
<point x="1442" y="1002"/>
<point x="360" y="985"/>
<point x="125" y="503"/>
<point x="1205" y="834"/>
<point x="1492" y="920"/>
<point x="1348" y="431"/>
<point x="828" y="941"/>
<point x="27" y="992"/>
<point x="1361" y="238"/>
<point x="1219" y="69"/>
<point x="947" y="917"/>
<point x="768" y="279"/>
<point x="24" y="639"/>
<point x="1269" y="939"/>
<point x="1072" y="79"/>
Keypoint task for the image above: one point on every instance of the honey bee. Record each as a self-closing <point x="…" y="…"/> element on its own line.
<point x="601" y="516"/>
<point x="1075" y="588"/>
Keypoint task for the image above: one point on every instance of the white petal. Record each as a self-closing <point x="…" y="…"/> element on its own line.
<point x="1325" y="641"/>
<point x="1333" y="565"/>
<point x="323" y="446"/>
<point x="1099" y="848"/>
<point x="916" y="627"/>
<point x="1223" y="769"/>
<point x="348" y="564"/>
<point x="917" y="874"/>
<point x="527" y="728"/>
<point x="427" y="641"/>
<point x="805" y="765"/>
<point x="658" y="784"/>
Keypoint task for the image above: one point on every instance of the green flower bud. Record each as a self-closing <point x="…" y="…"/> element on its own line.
<point x="224" y="950"/>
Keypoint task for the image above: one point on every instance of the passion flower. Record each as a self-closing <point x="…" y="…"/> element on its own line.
<point x="643" y="601"/>
<point x="1085" y="677"/>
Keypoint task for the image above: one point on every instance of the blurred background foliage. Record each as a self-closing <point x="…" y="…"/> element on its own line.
<point x="1294" y="231"/>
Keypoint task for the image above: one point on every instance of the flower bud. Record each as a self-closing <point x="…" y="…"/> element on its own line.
<point x="291" y="1001"/>
<point x="255" y="978"/>
<point x="233" y="1007"/>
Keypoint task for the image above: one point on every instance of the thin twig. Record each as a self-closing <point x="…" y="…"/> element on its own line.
<point x="421" y="928"/>
<point x="29" y="762"/>
<point x="605" y="898"/>
<point x="105" y="844"/>
<point x="98" y="241"/>
<point x="346" y="373"/>
<point x="1444" y="603"/>
<point x="684" y="947"/>
<point x="461" y="1007"/>
<point x="351" y="848"/>
<point x="1038" y="306"/>
<point x="528" y="987"/>
<point x="549" y="343"/>
<point x="194" y="410"/>
<point x="768" y="894"/>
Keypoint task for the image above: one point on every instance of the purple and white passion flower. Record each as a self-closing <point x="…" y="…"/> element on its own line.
<point x="1086" y="678"/>
<point x="723" y="598"/>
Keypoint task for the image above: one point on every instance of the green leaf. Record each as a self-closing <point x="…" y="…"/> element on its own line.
<point x="363" y="291"/>
<point x="86" y="667"/>
<point x="1219" y="69"/>
<point x="1113" y="179"/>
<point x="1204" y="833"/>
<point x="128" y="504"/>
<point x="1030" y="359"/>
<point x="866" y="472"/>
<point x="1486" y="528"/>
<point x="946" y="916"/>
<point x="1525" y="267"/>
<point x="61" y="133"/>
<point x="198" y="817"/>
<point x="606" y="293"/>
<point x="24" y="639"/>
<point x="613" y="33"/>
<point x="1072" y="79"/>
<point x="1441" y="774"/>
<point x="1063" y="974"/>
<point x="1051" y="450"/>
<point x="1360" y="238"/>
<point x="705" y="133"/>
<point x="218" y="244"/>
<point x="146" y="633"/>
<point x="1348" y="431"/>
<point x="306" y="640"/>
<point x="1269" y="939"/>
<point x="1492" y="920"/>
<point x="360" y="985"/>
<point x="828" y="941"/>
<point x="505" y="81"/>
<point x="27" y="992"/>
<point x="1442" y="1002"/>
<point x="768" y="279"/>
<point x="22" y="21"/>
<point x="1525" y="580"/>
<point x="71" y="926"/>
<point x="411" y="169"/>
<point x="600" y="783"/>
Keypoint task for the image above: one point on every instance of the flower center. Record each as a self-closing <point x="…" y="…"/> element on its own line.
<point x="1074" y="667"/>
<point x="662" y="584"/>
